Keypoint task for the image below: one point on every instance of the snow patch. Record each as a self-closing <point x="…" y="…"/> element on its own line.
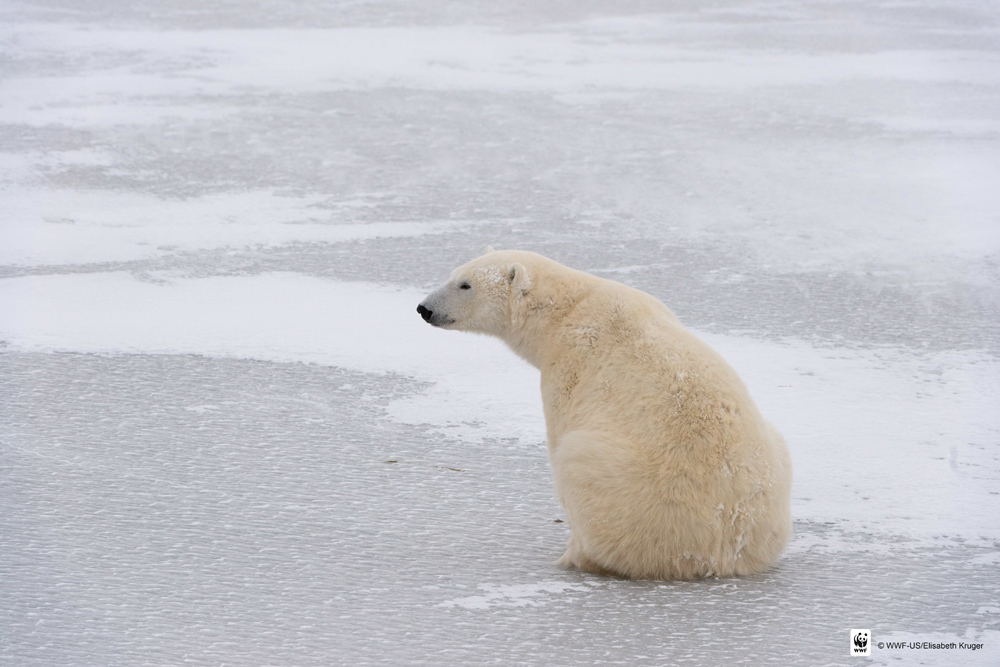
<point x="986" y="559"/>
<point x="76" y="227"/>
<point x="516" y="595"/>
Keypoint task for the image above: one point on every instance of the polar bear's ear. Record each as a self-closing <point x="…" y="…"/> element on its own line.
<point x="488" y="250"/>
<point x="519" y="278"/>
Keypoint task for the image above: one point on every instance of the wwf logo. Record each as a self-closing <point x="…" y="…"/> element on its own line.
<point x="860" y="644"/>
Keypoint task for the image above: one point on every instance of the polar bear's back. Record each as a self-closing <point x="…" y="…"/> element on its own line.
<point x="625" y="362"/>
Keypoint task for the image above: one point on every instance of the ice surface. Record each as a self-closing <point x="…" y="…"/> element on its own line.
<point x="227" y="438"/>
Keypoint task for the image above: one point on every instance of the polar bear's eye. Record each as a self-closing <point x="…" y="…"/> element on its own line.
<point x="465" y="286"/>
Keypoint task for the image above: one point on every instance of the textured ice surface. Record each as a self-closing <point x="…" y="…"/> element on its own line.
<point x="227" y="438"/>
<point x="169" y="508"/>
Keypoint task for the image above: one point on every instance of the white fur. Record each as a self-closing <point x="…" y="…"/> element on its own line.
<point x="664" y="464"/>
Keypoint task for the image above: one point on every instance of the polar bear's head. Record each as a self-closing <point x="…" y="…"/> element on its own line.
<point x="479" y="296"/>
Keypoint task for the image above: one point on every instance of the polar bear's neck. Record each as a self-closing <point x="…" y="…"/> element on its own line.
<point x="537" y="316"/>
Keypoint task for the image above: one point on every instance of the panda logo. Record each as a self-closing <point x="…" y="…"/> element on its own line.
<point x="859" y="642"/>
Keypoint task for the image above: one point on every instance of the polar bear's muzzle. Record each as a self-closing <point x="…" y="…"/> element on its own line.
<point x="433" y="318"/>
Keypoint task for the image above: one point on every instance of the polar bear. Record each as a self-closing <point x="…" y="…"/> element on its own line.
<point x="661" y="459"/>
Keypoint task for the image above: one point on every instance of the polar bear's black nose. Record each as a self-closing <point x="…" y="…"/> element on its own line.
<point x="425" y="312"/>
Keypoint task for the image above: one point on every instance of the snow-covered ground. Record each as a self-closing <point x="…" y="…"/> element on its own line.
<point x="226" y="436"/>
